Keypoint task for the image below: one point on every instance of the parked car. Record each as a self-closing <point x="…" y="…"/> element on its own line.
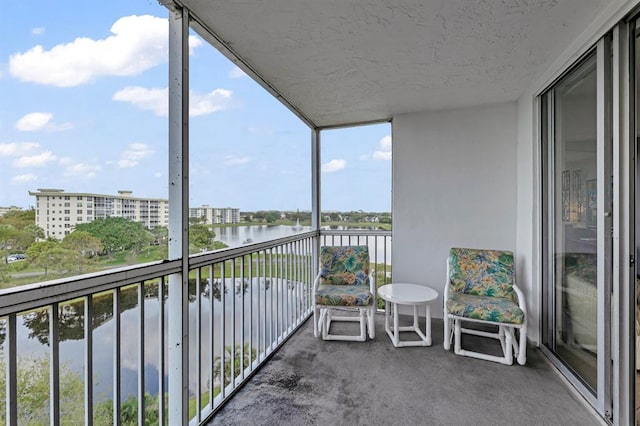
<point x="15" y="257"/>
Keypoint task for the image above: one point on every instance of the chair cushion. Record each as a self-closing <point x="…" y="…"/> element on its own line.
<point x="343" y="295"/>
<point x="485" y="308"/>
<point x="348" y="265"/>
<point x="482" y="272"/>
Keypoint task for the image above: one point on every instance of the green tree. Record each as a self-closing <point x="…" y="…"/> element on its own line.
<point x="19" y="218"/>
<point x="200" y="238"/>
<point x="33" y="393"/>
<point x="18" y="231"/>
<point x="8" y="234"/>
<point x="118" y="233"/>
<point x="385" y="219"/>
<point x="84" y="246"/>
<point x="160" y="234"/>
<point x="49" y="254"/>
<point x="271" y="217"/>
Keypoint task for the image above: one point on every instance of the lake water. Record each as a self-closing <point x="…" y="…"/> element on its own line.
<point x="236" y="236"/>
<point x="275" y="304"/>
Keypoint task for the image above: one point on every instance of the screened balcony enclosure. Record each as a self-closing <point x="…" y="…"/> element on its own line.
<point x="460" y="82"/>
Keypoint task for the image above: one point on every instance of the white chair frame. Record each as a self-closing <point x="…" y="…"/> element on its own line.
<point x="453" y="331"/>
<point x="324" y="315"/>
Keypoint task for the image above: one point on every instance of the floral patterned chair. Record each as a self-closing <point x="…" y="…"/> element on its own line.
<point x="344" y="284"/>
<point x="481" y="288"/>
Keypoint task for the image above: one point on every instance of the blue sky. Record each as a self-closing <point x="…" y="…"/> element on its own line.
<point x="83" y="105"/>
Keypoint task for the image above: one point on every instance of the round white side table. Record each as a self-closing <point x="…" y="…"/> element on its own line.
<point x="407" y="294"/>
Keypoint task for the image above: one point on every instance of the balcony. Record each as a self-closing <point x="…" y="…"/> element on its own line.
<point x="191" y="338"/>
<point x="109" y="334"/>
<point x="102" y="339"/>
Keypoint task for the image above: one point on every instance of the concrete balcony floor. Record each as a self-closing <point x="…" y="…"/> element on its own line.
<point x="310" y="381"/>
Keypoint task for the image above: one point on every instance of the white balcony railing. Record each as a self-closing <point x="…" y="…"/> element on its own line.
<point x="102" y="338"/>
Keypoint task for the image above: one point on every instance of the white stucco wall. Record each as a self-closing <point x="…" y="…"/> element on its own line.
<point x="454" y="175"/>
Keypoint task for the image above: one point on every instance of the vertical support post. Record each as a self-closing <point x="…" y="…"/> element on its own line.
<point x="141" y="354"/>
<point x="54" y="375"/>
<point x="88" y="360"/>
<point x="315" y="195"/>
<point x="11" y="362"/>
<point x="178" y="311"/>
<point x="117" y="362"/>
<point x="161" y="354"/>
<point x="604" y="221"/>
<point x="624" y="297"/>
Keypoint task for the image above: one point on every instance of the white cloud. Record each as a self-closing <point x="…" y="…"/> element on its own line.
<point x="156" y="100"/>
<point x="231" y="160"/>
<point x="384" y="153"/>
<point x="214" y="101"/>
<point x="157" y="174"/>
<point x="385" y="143"/>
<point x="37" y="160"/>
<point x="236" y="72"/>
<point x="134" y="152"/>
<point x="334" y="165"/>
<point x="29" y="177"/>
<point x="33" y="121"/>
<point x="73" y="168"/>
<point x="15" y="149"/>
<point x="138" y="43"/>
<point x="37" y="30"/>
<point x="40" y="121"/>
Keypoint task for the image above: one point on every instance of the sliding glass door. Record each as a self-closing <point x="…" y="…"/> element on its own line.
<point x="577" y="206"/>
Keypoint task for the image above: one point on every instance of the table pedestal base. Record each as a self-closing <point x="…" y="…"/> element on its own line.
<point x="394" y="331"/>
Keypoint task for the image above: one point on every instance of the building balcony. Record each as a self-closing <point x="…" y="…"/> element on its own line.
<point x="251" y="354"/>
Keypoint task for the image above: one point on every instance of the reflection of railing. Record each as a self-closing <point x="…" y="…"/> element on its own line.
<point x="379" y="243"/>
<point x="243" y="304"/>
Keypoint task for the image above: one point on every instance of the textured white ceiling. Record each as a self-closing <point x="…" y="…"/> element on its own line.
<point x="340" y="61"/>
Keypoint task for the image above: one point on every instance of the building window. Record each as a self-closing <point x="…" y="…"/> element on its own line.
<point x="79" y="211"/>
<point x="67" y="219"/>
<point x="67" y="204"/>
<point x="80" y="197"/>
<point x="79" y="205"/>
<point x="66" y="211"/>
<point x="79" y="219"/>
<point x="89" y="212"/>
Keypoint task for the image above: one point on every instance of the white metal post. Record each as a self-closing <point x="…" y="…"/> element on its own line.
<point x="624" y="305"/>
<point x="605" y="224"/>
<point x="315" y="194"/>
<point x="178" y="309"/>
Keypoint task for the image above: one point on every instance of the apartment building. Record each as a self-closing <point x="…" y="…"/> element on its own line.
<point x="215" y="215"/>
<point x="58" y="212"/>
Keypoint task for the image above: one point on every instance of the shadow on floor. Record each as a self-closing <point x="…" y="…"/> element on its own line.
<point x="309" y="381"/>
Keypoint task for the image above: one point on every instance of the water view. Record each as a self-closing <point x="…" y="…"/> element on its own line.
<point x="263" y="308"/>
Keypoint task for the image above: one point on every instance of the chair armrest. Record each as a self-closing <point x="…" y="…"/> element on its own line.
<point x="521" y="302"/>
<point x="445" y="296"/>
<point x="315" y="285"/>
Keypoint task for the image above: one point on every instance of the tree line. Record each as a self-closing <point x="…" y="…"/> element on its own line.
<point x="82" y="249"/>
